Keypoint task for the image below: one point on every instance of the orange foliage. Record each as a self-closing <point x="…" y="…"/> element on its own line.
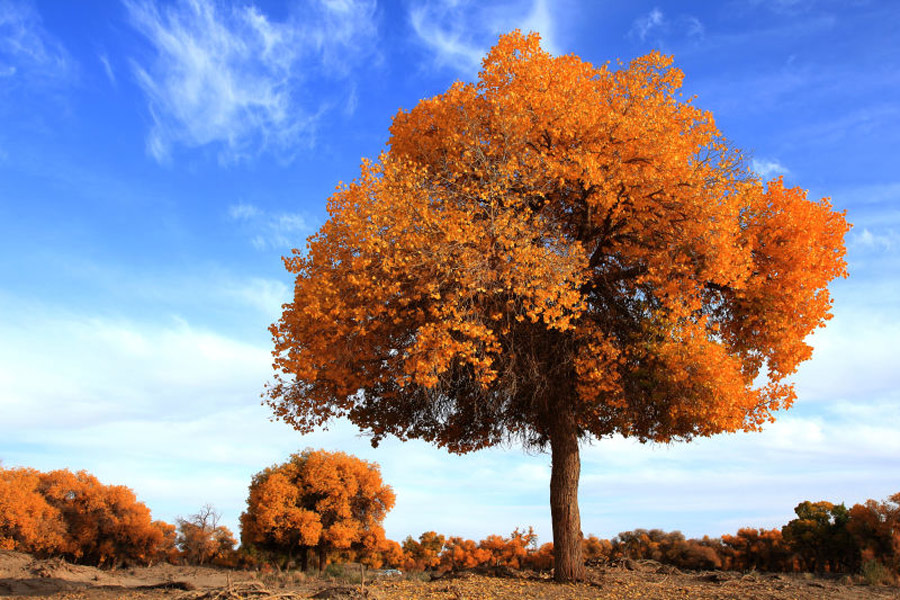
<point x="201" y="538"/>
<point x="424" y="553"/>
<point x="668" y="547"/>
<point x="167" y="550"/>
<point x="434" y="551"/>
<point x="596" y="550"/>
<point x="106" y="524"/>
<point x="27" y="522"/>
<point x="324" y="500"/>
<point x="459" y="553"/>
<point x="542" y="558"/>
<point x="840" y="540"/>
<point x="509" y="552"/>
<point x="584" y="209"/>
<point x="876" y="528"/>
<point x="554" y="252"/>
<point x="376" y="555"/>
<point x="75" y="516"/>
<point x="757" y="549"/>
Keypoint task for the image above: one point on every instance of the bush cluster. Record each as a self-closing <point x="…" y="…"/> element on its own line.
<point x="824" y="538"/>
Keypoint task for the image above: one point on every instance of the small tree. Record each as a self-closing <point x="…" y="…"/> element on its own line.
<point x="554" y="253"/>
<point x="317" y="500"/>
<point x="201" y="539"/>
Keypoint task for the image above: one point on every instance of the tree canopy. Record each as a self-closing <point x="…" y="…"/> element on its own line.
<point x="555" y="252"/>
<point x="323" y="500"/>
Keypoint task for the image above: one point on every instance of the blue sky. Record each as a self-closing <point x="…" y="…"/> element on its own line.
<point x="158" y="158"/>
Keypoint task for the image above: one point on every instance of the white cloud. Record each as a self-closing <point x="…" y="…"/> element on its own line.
<point x="655" y="25"/>
<point x="540" y="19"/>
<point x="352" y="102"/>
<point x="107" y="68"/>
<point x="228" y="75"/>
<point x="29" y="52"/>
<point x="271" y="230"/>
<point x="768" y="168"/>
<point x="694" y="27"/>
<point x="172" y="410"/>
<point x="643" y="26"/>
<point x="460" y="32"/>
<point x="266" y="295"/>
<point x="243" y="212"/>
<point x="100" y="370"/>
<point x="885" y="240"/>
<point x="855" y="355"/>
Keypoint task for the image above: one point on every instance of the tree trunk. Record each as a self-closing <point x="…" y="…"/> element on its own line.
<point x="321" y="551"/>
<point x="568" y="556"/>
<point x="304" y="559"/>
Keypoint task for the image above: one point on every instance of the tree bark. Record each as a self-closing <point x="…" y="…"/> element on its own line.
<point x="304" y="559"/>
<point x="568" y="556"/>
<point x="322" y="554"/>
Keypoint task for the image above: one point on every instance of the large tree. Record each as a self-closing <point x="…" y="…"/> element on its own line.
<point x="553" y="253"/>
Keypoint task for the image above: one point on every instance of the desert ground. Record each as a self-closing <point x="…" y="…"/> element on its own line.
<point x="24" y="576"/>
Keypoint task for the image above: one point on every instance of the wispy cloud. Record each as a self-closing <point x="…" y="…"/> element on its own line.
<point x="885" y="241"/>
<point x="271" y="230"/>
<point x="28" y="52"/>
<point x="229" y="75"/>
<point x="768" y="168"/>
<point x="655" y="25"/>
<point x="694" y="27"/>
<point x="459" y="32"/>
<point x="107" y="68"/>
<point x="243" y="212"/>
<point x="645" y="24"/>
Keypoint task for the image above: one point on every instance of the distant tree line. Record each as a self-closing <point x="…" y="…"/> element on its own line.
<point x="823" y="538"/>
<point x="329" y="506"/>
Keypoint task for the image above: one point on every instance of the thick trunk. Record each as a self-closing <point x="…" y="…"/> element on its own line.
<point x="566" y="468"/>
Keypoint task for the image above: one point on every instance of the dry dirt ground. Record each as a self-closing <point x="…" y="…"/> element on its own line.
<point x="22" y="576"/>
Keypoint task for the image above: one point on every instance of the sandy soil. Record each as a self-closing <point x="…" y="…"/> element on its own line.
<point x="23" y="576"/>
